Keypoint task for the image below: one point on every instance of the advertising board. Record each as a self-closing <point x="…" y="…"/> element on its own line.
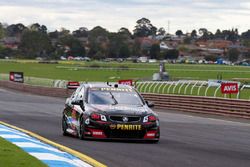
<point x="73" y="85"/>
<point x="229" y="88"/>
<point x="126" y="82"/>
<point x="16" y="77"/>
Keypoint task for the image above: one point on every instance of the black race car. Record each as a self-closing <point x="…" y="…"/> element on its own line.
<point x="104" y="111"/>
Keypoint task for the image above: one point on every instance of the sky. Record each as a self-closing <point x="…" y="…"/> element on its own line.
<point x="184" y="15"/>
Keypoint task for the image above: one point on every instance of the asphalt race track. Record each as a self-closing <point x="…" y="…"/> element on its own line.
<point x="186" y="140"/>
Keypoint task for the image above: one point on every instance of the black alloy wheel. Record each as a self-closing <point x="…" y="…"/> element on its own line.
<point x="81" y="129"/>
<point x="64" y="126"/>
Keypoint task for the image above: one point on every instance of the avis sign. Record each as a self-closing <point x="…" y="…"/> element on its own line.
<point x="229" y="88"/>
<point x="126" y="82"/>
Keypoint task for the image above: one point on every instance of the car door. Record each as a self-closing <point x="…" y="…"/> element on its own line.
<point x="77" y="110"/>
<point x="69" y="110"/>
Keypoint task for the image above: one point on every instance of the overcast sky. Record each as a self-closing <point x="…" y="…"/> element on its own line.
<point x="114" y="14"/>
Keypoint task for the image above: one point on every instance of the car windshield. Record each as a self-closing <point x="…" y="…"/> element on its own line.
<point x="114" y="97"/>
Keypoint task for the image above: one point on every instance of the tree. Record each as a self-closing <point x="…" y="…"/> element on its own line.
<point x="218" y="34"/>
<point x="64" y="32"/>
<point x="81" y="32"/>
<point x="161" y="31"/>
<point x="5" y="52"/>
<point x="54" y="34"/>
<point x="171" y="54"/>
<point x="75" y="46"/>
<point x="125" y="33"/>
<point x="231" y="35"/>
<point x="118" y="43"/>
<point x="124" y="51"/>
<point x="136" y="48"/>
<point x="205" y="34"/>
<point x="179" y="33"/>
<point x="247" y="55"/>
<point x="98" y="40"/>
<point x="233" y="55"/>
<point x="114" y="45"/>
<point x="38" y="27"/>
<point x="203" y="31"/>
<point x="194" y="34"/>
<point x="99" y="55"/>
<point x="155" y="51"/>
<point x="187" y="40"/>
<point x="144" y="28"/>
<point x="246" y="35"/>
<point x="1" y="31"/>
<point x="246" y="42"/>
<point x="15" y="29"/>
<point x="35" y="43"/>
<point x="98" y="31"/>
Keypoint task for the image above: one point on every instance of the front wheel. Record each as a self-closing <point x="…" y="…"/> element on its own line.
<point x="81" y="129"/>
<point x="64" y="127"/>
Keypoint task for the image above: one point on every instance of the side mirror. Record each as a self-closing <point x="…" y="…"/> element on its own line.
<point x="150" y="104"/>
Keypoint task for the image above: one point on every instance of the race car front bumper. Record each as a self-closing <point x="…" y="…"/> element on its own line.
<point x="108" y="130"/>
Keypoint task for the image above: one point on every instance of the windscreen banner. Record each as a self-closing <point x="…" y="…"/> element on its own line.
<point x="126" y="82"/>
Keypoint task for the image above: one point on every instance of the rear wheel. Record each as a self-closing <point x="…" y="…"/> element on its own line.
<point x="64" y="126"/>
<point x="81" y="129"/>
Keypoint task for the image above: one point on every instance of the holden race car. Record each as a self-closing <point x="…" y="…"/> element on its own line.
<point x="104" y="111"/>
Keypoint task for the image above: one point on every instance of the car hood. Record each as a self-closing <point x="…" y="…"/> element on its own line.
<point x="119" y="109"/>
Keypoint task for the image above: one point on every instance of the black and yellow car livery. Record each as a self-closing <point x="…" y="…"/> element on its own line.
<point x="104" y="111"/>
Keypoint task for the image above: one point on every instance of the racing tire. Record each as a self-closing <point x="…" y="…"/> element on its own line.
<point x="64" y="127"/>
<point x="81" y="129"/>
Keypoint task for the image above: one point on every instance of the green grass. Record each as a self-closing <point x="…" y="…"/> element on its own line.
<point x="52" y="71"/>
<point x="72" y="70"/>
<point x="13" y="156"/>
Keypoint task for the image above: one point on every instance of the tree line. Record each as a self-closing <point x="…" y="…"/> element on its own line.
<point x="98" y="43"/>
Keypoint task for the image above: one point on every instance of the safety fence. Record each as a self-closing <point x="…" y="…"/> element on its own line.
<point x="191" y="88"/>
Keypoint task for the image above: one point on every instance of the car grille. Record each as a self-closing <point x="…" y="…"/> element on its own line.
<point x="116" y="118"/>
<point x="126" y="134"/>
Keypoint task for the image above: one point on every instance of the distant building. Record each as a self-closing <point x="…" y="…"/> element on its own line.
<point x="164" y="46"/>
<point x="214" y="44"/>
<point x="146" y="42"/>
<point x="11" y="42"/>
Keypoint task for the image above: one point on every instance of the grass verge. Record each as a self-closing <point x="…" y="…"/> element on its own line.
<point x="13" y="156"/>
<point x="82" y="71"/>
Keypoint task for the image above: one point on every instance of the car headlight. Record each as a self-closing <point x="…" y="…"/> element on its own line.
<point x="98" y="117"/>
<point x="149" y="118"/>
<point x="103" y="118"/>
